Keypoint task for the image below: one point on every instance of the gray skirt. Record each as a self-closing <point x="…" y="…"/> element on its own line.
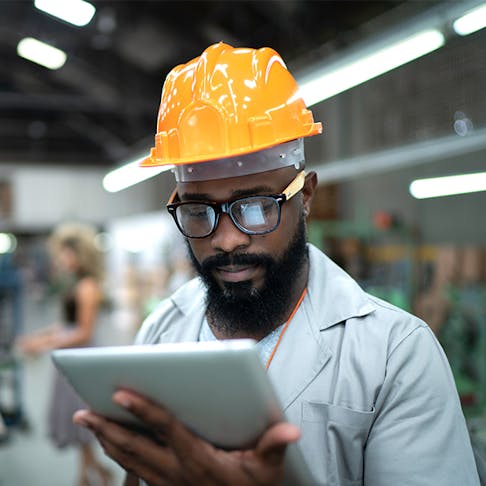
<point x="64" y="402"/>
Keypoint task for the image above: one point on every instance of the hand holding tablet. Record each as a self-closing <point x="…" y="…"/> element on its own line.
<point x="218" y="390"/>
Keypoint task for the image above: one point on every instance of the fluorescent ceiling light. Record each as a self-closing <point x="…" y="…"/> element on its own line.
<point x="76" y="12"/>
<point x="41" y="53"/>
<point x="448" y="186"/>
<point x="130" y="174"/>
<point x="471" y="22"/>
<point x="328" y="83"/>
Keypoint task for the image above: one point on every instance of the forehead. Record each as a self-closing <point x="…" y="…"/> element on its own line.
<point x="273" y="181"/>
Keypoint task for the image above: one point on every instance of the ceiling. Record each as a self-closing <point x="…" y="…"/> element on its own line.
<point x="100" y="107"/>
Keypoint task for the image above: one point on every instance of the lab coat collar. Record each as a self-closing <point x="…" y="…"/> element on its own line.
<point x="332" y="297"/>
<point x="190" y="298"/>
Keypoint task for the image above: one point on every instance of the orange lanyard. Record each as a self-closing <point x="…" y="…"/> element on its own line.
<point x="296" y="308"/>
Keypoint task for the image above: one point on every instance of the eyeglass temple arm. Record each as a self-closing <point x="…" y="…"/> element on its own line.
<point x="172" y="197"/>
<point x="295" y="186"/>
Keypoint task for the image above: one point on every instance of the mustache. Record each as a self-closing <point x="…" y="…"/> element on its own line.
<point x="224" y="259"/>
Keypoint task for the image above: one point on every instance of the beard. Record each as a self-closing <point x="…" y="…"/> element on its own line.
<point x="239" y="307"/>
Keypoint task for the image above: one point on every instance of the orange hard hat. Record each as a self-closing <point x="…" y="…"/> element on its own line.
<point x="228" y="102"/>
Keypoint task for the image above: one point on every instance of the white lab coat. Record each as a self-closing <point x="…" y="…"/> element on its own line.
<point x="367" y="383"/>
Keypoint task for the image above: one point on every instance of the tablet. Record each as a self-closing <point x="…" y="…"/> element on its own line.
<point x="218" y="389"/>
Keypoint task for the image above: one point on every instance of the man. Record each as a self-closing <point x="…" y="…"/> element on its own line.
<point x="366" y="388"/>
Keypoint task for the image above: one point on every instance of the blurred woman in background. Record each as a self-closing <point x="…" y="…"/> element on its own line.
<point x="79" y="262"/>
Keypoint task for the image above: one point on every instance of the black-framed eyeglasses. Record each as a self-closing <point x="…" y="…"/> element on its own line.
<point x="253" y="215"/>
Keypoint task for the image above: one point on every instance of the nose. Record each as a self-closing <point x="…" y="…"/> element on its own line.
<point x="227" y="237"/>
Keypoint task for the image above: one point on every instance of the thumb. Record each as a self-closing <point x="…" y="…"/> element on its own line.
<point x="271" y="446"/>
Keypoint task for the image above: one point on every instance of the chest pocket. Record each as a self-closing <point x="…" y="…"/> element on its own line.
<point x="333" y="439"/>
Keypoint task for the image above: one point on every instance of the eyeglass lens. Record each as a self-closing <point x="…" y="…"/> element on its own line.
<point x="258" y="214"/>
<point x="196" y="219"/>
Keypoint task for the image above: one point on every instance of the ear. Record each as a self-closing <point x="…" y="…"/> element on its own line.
<point x="308" y="191"/>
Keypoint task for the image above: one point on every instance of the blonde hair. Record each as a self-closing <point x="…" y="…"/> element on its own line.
<point x="81" y="238"/>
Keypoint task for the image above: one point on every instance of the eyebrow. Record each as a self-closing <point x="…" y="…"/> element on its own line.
<point x="189" y="196"/>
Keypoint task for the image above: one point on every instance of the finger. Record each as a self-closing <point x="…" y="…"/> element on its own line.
<point x="111" y="433"/>
<point x="271" y="447"/>
<point x="154" y="474"/>
<point x="131" y="449"/>
<point x="192" y="452"/>
<point x="156" y="418"/>
<point x="79" y="417"/>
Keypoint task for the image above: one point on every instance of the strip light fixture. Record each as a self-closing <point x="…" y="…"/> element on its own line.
<point x="76" y="12"/>
<point x="130" y="174"/>
<point x="448" y="185"/>
<point x="472" y="21"/>
<point x="329" y="82"/>
<point x="41" y="53"/>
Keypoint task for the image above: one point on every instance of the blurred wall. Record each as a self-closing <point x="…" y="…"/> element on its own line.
<point x="44" y="196"/>
<point x="452" y="219"/>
